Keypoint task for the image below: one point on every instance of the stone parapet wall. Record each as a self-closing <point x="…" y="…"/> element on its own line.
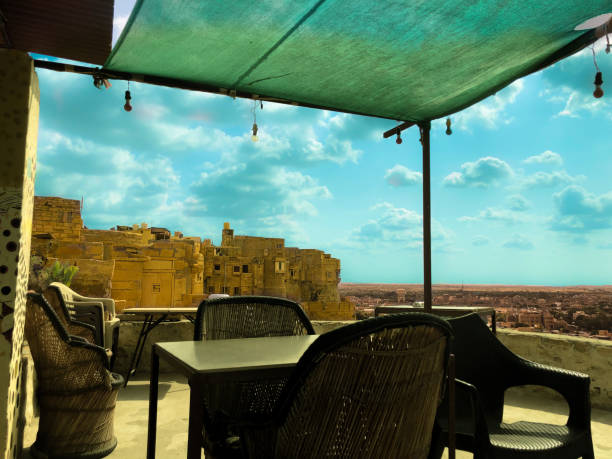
<point x="585" y="355"/>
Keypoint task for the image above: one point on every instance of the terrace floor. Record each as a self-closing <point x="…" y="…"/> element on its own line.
<point x="132" y="412"/>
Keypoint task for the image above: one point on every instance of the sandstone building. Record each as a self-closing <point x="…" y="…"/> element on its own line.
<point x="142" y="266"/>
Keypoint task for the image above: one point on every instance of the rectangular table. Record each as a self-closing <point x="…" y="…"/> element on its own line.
<point x="447" y="311"/>
<point x="152" y="318"/>
<point x="245" y="359"/>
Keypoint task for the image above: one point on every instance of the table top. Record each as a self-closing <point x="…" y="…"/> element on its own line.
<point x="236" y="355"/>
<point x="159" y="311"/>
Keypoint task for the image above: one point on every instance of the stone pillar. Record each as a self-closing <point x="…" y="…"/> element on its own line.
<point x="19" y="97"/>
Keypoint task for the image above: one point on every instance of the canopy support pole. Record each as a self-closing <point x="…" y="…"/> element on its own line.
<point x="425" y="128"/>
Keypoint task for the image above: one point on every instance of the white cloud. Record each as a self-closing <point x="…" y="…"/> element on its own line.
<point x="518" y="203"/>
<point x="518" y="241"/>
<point x="550" y="179"/>
<point x="491" y="111"/>
<point x="399" y="227"/>
<point x="577" y="210"/>
<point x="546" y="157"/>
<point x="118" y="186"/>
<point x="480" y="240"/>
<point x="495" y="214"/>
<point x="481" y="173"/>
<point x="400" y="175"/>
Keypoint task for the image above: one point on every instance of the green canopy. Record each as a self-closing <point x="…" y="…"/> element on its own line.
<point x="404" y="60"/>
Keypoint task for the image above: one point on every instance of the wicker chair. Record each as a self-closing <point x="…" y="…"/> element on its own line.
<point x="485" y="368"/>
<point x="76" y="391"/>
<point x="370" y="389"/>
<point x="85" y="308"/>
<point x="243" y="317"/>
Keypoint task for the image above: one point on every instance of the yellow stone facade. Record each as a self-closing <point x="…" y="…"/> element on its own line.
<point x="140" y="266"/>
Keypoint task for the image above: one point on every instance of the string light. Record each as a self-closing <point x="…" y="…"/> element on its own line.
<point x="449" y="131"/>
<point x="128" y="107"/>
<point x="254" y="137"/>
<point x="598" y="78"/>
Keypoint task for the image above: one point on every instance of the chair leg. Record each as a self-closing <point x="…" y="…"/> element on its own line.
<point x="589" y="454"/>
<point x="437" y="445"/>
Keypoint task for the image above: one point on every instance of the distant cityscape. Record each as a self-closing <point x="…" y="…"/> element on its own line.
<point x="577" y="310"/>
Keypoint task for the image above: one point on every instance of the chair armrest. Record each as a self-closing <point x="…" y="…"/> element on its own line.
<point x="81" y="330"/>
<point x="573" y="386"/>
<point x="97" y="352"/>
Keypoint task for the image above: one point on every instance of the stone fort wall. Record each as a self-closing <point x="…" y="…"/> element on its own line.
<point x="140" y="266"/>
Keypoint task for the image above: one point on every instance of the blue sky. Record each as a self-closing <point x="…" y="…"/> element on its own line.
<point x="521" y="192"/>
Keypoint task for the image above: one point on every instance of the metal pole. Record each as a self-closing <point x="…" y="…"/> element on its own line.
<point x="425" y="127"/>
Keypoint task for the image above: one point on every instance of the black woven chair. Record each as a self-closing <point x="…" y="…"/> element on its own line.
<point x="76" y="391"/>
<point x="485" y="368"/>
<point x="243" y="317"/>
<point x="370" y="389"/>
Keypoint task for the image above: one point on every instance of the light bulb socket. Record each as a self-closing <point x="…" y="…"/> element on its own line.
<point x="255" y="129"/>
<point x="398" y="139"/>
<point x="598" y="79"/>
<point x="449" y="131"/>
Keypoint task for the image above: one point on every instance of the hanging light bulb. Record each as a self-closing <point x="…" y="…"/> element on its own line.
<point x="127" y="107"/>
<point x="254" y="136"/>
<point x="598" y="82"/>
<point x="398" y="140"/>
<point x="449" y="131"/>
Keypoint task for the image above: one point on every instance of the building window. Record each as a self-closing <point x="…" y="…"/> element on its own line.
<point x="156" y="288"/>
<point x="329" y="275"/>
<point x="211" y="289"/>
<point x="217" y="267"/>
<point x="279" y="246"/>
<point x="292" y="273"/>
<point x="224" y="290"/>
<point x="245" y="268"/>
<point x="280" y="266"/>
<point x="236" y="290"/>
<point x="236" y="268"/>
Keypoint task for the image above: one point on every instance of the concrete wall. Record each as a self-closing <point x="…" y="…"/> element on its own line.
<point x="588" y="356"/>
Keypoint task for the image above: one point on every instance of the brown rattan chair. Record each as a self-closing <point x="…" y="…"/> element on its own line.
<point x="370" y="389"/>
<point x="243" y="317"/>
<point x="76" y="391"/>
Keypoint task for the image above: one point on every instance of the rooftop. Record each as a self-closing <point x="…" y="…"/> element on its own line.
<point x="132" y="413"/>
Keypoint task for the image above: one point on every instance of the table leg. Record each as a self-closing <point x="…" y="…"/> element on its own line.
<point x="147" y="325"/>
<point x="196" y="424"/>
<point x="153" y="388"/>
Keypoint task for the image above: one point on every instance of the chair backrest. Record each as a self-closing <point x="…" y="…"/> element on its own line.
<point x="72" y="297"/>
<point x="369" y="389"/>
<point x="482" y="360"/>
<point x="88" y="314"/>
<point x="250" y="317"/>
